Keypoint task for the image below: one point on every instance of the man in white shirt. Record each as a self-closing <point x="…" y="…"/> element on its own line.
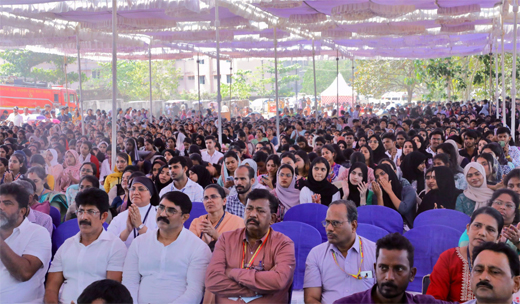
<point x="211" y="155"/>
<point x="25" y="249"/>
<point x="178" y="171"/>
<point x="91" y="255"/>
<point x="26" y="114"/>
<point x="15" y="117"/>
<point x="391" y="150"/>
<point x="168" y="264"/>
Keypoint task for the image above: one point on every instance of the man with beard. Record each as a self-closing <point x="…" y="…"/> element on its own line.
<point x="495" y="276"/>
<point x="253" y="264"/>
<point x="25" y="249"/>
<point x="394" y="271"/>
<point x="91" y="255"/>
<point x="168" y="264"/>
<point x="244" y="180"/>
<point x="180" y="181"/>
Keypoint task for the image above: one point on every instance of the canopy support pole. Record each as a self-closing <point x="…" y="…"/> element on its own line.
<point x="276" y="86"/>
<point x="230" y="83"/>
<point x="503" y="80"/>
<point x="198" y="85"/>
<point x="219" y="97"/>
<point x="114" y="81"/>
<point x="80" y="98"/>
<point x="353" y="60"/>
<point x="314" y="74"/>
<point x="150" y="79"/>
<point x="337" y="83"/>
<point x="496" y="77"/>
<point x="513" y="76"/>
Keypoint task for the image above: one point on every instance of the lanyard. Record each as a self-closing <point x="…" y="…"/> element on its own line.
<point x="144" y="220"/>
<point x="255" y="254"/>
<point x="469" y="260"/>
<point x="358" y="275"/>
<point x="219" y="222"/>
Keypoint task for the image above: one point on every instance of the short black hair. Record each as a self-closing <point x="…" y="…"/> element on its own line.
<point x="437" y="132"/>
<point x="514" y="263"/>
<point x="93" y="197"/>
<point x="395" y="241"/>
<point x="179" y="199"/>
<point x="210" y="137"/>
<point x="249" y="169"/>
<point x="491" y="212"/>
<point x="503" y="130"/>
<point x="472" y="133"/>
<point x="514" y="173"/>
<point x="257" y="194"/>
<point x="352" y="214"/>
<point x="20" y="195"/>
<point x="90" y="178"/>
<point x="110" y="291"/>
<point x="178" y="159"/>
<point x="388" y="135"/>
<point x="219" y="189"/>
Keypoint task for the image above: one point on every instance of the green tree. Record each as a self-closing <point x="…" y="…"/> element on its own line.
<point x="240" y="86"/>
<point x="325" y="75"/>
<point x="264" y="86"/>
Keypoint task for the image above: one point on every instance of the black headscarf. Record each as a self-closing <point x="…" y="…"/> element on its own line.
<point x="203" y="175"/>
<point x="410" y="171"/>
<point x="379" y="152"/>
<point x="154" y="200"/>
<point x="157" y="181"/>
<point x="353" y="189"/>
<point x="323" y="188"/>
<point x="396" y="185"/>
<point x="422" y="149"/>
<point x="446" y="194"/>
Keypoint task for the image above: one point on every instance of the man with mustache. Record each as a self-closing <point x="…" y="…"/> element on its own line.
<point x="394" y="271"/>
<point x="167" y="264"/>
<point x="25" y="249"/>
<point x="92" y="254"/>
<point x="253" y="264"/>
<point x="345" y="264"/>
<point x="244" y="180"/>
<point x="495" y="276"/>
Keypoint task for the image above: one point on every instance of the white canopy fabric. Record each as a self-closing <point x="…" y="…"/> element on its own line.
<point x="176" y="29"/>
<point x="330" y="95"/>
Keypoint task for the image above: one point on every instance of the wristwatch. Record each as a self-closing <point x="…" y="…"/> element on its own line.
<point x="140" y="227"/>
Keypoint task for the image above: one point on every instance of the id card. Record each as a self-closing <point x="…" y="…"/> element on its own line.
<point x="366" y="275"/>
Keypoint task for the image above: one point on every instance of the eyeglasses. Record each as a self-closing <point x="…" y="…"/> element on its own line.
<point x="169" y="210"/>
<point x="335" y="224"/>
<point x="89" y="212"/>
<point x="87" y="171"/>
<point x="139" y="189"/>
<point x="212" y="197"/>
<point x="508" y="205"/>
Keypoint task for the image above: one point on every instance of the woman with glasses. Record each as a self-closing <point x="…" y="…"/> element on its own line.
<point x="209" y="227"/>
<point x="141" y="211"/>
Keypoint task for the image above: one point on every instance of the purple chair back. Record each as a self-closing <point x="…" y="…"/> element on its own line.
<point x="197" y="210"/>
<point x="311" y="214"/>
<point x="381" y="216"/>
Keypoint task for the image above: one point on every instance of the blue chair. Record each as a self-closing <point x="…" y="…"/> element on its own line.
<point x="66" y="230"/>
<point x="312" y="214"/>
<point x="429" y="242"/>
<point x="371" y="232"/>
<point x="197" y="210"/>
<point x="55" y="215"/>
<point x="445" y="217"/>
<point x="305" y="237"/>
<point x="382" y="217"/>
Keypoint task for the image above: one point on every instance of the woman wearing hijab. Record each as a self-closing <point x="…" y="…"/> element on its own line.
<point x="442" y="191"/>
<point x="477" y="194"/>
<point x="141" y="213"/>
<point x="70" y="173"/>
<point x="113" y="179"/>
<point x="101" y="155"/>
<point x="377" y="147"/>
<point x="52" y="167"/>
<point x="421" y="146"/>
<point x="388" y="192"/>
<point x="316" y="188"/>
<point x="355" y="187"/>
<point x="200" y="175"/>
<point x="285" y="189"/>
<point x="413" y="170"/>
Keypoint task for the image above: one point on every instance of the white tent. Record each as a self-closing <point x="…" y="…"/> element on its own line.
<point x="343" y="91"/>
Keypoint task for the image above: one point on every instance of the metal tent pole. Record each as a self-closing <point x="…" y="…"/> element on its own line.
<point x="150" y="79"/>
<point x="314" y="75"/>
<point x="513" y="76"/>
<point x="198" y="83"/>
<point x="114" y="81"/>
<point x="219" y="97"/>
<point x="276" y="85"/>
<point x="230" y="83"/>
<point x="81" y="110"/>
<point x="496" y="77"/>
<point x="337" y="83"/>
<point x="352" y="104"/>
<point x="503" y="80"/>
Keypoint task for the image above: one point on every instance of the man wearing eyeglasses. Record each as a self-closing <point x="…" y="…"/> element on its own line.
<point x="345" y="264"/>
<point x="91" y="255"/>
<point x="167" y="264"/>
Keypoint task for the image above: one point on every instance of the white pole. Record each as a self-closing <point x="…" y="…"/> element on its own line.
<point x="353" y="60"/>
<point x="219" y="97"/>
<point x="496" y="77"/>
<point x="276" y="86"/>
<point x="503" y="80"/>
<point x="81" y="110"/>
<point x="513" y="76"/>
<point x="150" y="79"/>
<point x="337" y="83"/>
<point x="114" y="81"/>
<point x="314" y="74"/>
